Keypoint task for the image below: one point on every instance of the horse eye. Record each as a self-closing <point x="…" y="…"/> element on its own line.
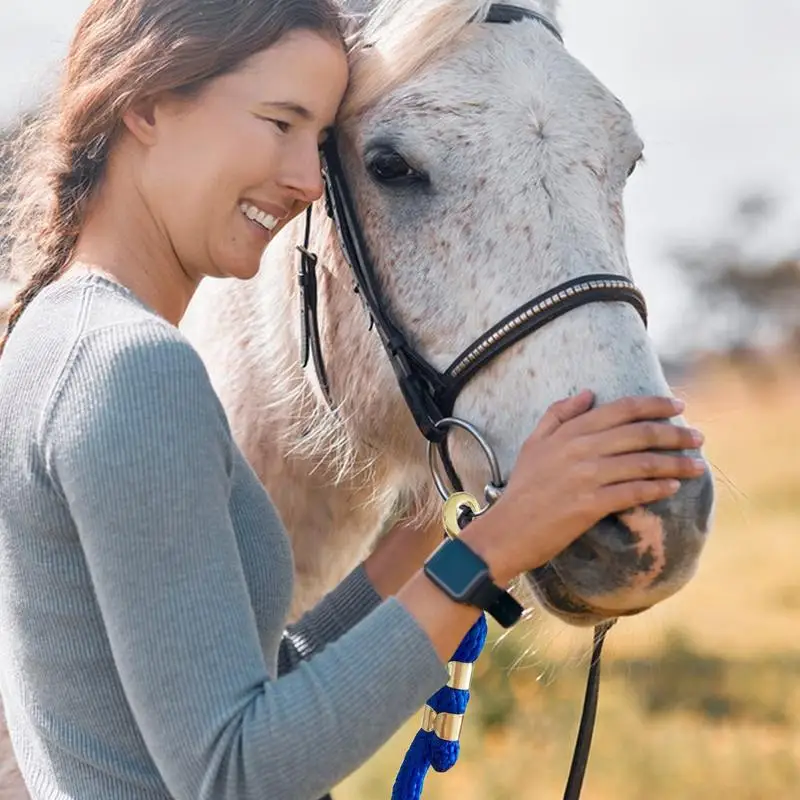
<point x="388" y="166"/>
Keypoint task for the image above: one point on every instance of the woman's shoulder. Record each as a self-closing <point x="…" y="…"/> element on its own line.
<point x="90" y="325"/>
<point x="90" y="370"/>
<point x="130" y="376"/>
<point x="97" y="331"/>
<point x="107" y="349"/>
<point x="83" y="309"/>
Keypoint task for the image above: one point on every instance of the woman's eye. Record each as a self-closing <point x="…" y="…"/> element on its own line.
<point x="283" y="127"/>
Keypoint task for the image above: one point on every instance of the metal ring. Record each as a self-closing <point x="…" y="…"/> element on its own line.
<point x="494" y="465"/>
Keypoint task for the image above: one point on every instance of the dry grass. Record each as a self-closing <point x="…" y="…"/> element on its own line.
<point x="701" y="696"/>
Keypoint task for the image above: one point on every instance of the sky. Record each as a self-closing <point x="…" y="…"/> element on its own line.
<point x="713" y="86"/>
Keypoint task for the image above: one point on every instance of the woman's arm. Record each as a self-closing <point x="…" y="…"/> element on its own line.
<point x="400" y="552"/>
<point x="341" y="609"/>
<point x="140" y="449"/>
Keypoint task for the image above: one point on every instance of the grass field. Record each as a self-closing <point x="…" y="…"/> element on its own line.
<point x="700" y="697"/>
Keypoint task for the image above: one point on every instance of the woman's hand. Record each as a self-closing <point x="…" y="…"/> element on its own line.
<point x="579" y="465"/>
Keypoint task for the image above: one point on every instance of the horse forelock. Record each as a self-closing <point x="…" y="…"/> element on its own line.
<point x="399" y="37"/>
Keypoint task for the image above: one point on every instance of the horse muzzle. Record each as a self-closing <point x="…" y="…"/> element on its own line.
<point x="630" y="561"/>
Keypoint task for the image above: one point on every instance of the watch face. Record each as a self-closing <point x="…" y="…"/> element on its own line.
<point x="457" y="566"/>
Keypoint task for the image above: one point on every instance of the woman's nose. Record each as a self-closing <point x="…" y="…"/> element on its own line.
<point x="303" y="175"/>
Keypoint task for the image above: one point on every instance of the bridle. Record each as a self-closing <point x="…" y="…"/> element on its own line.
<point x="430" y="394"/>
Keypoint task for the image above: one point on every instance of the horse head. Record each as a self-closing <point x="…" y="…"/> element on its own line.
<point x="487" y="165"/>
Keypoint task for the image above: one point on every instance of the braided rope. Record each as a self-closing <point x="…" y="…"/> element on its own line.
<point x="444" y="711"/>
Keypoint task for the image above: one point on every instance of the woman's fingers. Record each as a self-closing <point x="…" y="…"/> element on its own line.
<point x="638" y="436"/>
<point x="639" y="466"/>
<point x="621" y="412"/>
<point x="563" y="411"/>
<point x="622" y="496"/>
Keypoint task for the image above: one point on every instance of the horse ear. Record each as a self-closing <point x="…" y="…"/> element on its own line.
<point x="8" y="291"/>
<point x="356" y="6"/>
<point x="355" y="13"/>
<point x="550" y="8"/>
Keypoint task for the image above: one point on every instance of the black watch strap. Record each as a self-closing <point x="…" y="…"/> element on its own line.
<point x="498" y="603"/>
<point x="462" y="574"/>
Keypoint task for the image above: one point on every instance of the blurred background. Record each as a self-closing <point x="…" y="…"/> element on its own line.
<point x="701" y="696"/>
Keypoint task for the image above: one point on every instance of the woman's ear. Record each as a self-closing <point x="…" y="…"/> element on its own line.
<point x="140" y="120"/>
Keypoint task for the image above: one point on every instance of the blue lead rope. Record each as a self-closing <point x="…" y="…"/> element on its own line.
<point x="434" y="745"/>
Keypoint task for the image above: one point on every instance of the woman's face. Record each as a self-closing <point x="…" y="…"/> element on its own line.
<point x="226" y="170"/>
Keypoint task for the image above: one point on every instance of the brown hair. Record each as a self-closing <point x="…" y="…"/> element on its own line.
<point x="121" y="52"/>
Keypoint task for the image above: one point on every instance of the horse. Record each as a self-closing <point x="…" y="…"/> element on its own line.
<point x="486" y="167"/>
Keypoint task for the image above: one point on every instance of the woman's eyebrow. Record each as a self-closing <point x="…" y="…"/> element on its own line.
<point x="285" y="105"/>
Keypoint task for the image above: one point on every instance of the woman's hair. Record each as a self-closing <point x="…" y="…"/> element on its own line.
<point x="121" y="52"/>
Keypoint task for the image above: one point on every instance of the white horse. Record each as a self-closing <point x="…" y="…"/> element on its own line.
<point x="487" y="166"/>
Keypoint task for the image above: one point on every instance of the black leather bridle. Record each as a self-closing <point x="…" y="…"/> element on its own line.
<point x="430" y="394"/>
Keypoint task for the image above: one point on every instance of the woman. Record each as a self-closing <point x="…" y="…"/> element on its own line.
<point x="144" y="575"/>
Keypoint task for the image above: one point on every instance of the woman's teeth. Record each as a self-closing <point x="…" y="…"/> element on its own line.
<point x="261" y="217"/>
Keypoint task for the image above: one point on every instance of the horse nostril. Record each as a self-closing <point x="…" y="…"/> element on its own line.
<point x="609" y="536"/>
<point x="583" y="550"/>
<point x="618" y="532"/>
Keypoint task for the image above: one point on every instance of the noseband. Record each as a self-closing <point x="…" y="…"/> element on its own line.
<point x="430" y="394"/>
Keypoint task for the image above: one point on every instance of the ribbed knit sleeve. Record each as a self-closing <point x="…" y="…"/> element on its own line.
<point x="333" y="616"/>
<point x="139" y="447"/>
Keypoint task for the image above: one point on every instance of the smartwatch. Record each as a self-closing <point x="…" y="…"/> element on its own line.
<point x="464" y="577"/>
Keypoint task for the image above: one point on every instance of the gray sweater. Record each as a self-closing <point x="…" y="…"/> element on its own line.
<point x="145" y="580"/>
